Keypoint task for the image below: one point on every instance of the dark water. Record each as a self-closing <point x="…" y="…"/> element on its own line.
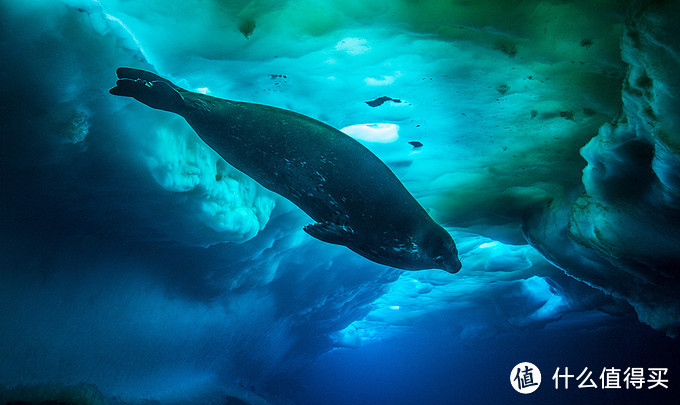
<point x="425" y="369"/>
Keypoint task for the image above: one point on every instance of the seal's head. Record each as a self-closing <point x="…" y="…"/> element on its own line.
<point x="436" y="250"/>
<point x="432" y="248"/>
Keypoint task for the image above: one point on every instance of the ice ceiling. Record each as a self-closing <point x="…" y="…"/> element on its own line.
<point x="549" y="130"/>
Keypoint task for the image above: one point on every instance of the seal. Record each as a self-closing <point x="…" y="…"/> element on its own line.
<point x="352" y="195"/>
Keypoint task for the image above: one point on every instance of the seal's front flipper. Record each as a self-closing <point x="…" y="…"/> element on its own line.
<point x="155" y="94"/>
<point x="330" y="232"/>
<point x="134" y="74"/>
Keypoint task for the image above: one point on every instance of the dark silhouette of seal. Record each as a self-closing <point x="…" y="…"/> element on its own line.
<point x="354" y="197"/>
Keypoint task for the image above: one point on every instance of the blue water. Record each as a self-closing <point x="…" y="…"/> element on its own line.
<point x="422" y="368"/>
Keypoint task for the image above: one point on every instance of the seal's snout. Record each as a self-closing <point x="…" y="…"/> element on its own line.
<point x="454" y="266"/>
<point x="449" y="263"/>
<point x="439" y="250"/>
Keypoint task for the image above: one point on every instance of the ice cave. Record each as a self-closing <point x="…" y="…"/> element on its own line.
<point x="139" y="267"/>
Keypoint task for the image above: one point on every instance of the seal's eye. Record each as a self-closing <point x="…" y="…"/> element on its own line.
<point x="439" y="259"/>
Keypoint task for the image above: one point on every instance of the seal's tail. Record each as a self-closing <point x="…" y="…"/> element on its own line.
<point x="150" y="89"/>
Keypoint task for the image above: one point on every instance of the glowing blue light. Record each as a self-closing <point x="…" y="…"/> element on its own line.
<point x="378" y="132"/>
<point x="353" y="46"/>
<point x="394" y="307"/>
<point x="488" y="245"/>
<point x="384" y="81"/>
<point x="137" y="43"/>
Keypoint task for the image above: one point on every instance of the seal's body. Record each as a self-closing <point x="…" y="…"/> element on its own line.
<point x="354" y="197"/>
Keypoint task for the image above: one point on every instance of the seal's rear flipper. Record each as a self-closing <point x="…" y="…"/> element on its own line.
<point x="156" y="94"/>
<point x="330" y="233"/>
<point x="131" y="73"/>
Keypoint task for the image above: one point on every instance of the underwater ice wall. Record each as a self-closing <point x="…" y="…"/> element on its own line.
<point x="621" y="234"/>
<point x="106" y="274"/>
